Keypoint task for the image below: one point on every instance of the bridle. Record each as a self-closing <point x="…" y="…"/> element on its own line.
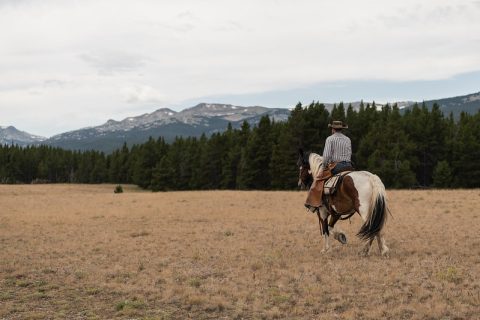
<point x="305" y="178"/>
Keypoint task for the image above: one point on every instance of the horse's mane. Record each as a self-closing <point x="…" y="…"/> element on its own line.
<point x="315" y="161"/>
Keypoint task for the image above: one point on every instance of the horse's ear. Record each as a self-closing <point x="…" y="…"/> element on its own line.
<point x="300" y="152"/>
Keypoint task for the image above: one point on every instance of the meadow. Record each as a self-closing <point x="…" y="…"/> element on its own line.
<point x="83" y="252"/>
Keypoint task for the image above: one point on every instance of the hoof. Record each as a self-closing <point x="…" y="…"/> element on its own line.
<point x="342" y="238"/>
<point x="364" y="253"/>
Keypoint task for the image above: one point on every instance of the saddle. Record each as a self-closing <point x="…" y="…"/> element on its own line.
<point x="323" y="187"/>
<point x="331" y="184"/>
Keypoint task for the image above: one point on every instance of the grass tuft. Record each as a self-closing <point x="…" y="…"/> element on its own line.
<point x="450" y="274"/>
<point x="130" y="304"/>
<point x="139" y="234"/>
<point x="195" y="282"/>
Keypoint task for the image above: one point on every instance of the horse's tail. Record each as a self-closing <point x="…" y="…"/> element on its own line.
<point x="377" y="214"/>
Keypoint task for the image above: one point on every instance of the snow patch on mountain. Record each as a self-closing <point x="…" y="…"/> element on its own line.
<point x="11" y="135"/>
<point x="471" y="98"/>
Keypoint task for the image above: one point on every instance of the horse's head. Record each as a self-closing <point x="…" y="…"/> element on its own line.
<point x="305" y="178"/>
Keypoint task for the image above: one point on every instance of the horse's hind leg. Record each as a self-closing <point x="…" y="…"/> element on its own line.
<point x="382" y="246"/>
<point x="366" y="249"/>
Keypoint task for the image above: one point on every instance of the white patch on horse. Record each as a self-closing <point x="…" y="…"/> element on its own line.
<point x="361" y="182"/>
<point x="323" y="213"/>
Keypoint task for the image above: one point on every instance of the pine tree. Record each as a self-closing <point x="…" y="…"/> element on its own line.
<point x="283" y="168"/>
<point x="442" y="175"/>
<point x="387" y="151"/>
<point x="146" y="159"/>
<point x="198" y="177"/>
<point x="254" y="165"/>
<point x="338" y="113"/>
<point x="466" y="152"/>
<point x="231" y="158"/>
<point x="428" y="131"/>
<point x="162" y="175"/>
<point x="99" y="172"/>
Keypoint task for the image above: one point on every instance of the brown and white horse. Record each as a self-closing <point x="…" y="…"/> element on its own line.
<point x="360" y="192"/>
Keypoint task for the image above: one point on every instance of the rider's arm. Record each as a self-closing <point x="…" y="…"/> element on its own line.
<point x="327" y="152"/>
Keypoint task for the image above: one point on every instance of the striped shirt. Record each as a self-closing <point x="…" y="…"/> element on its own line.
<point x="338" y="147"/>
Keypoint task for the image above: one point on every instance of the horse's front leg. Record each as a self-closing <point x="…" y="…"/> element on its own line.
<point x="337" y="234"/>
<point x="323" y="222"/>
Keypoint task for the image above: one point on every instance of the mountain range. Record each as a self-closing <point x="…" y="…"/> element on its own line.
<point x="204" y="118"/>
<point x="456" y="105"/>
<point x="11" y="135"/>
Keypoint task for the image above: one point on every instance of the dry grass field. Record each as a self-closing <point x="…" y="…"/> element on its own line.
<point x="83" y="252"/>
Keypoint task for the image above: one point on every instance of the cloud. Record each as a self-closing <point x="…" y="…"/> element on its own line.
<point x="100" y="58"/>
<point x="54" y="83"/>
<point x="230" y="25"/>
<point x="112" y="63"/>
<point x="7" y="3"/>
<point x="144" y="95"/>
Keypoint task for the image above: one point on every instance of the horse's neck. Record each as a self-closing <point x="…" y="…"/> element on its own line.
<point x="315" y="163"/>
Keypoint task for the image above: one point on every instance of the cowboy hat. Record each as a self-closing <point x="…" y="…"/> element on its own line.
<point x="338" y="125"/>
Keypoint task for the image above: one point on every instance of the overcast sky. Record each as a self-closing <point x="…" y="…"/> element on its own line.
<point x="70" y="64"/>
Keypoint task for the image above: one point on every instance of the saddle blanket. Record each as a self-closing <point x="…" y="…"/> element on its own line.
<point x="332" y="183"/>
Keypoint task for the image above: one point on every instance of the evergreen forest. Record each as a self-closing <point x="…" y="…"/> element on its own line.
<point x="414" y="148"/>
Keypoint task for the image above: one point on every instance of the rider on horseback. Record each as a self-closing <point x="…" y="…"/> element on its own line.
<point x="336" y="158"/>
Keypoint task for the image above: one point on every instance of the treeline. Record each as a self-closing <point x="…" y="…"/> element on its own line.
<point x="418" y="147"/>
